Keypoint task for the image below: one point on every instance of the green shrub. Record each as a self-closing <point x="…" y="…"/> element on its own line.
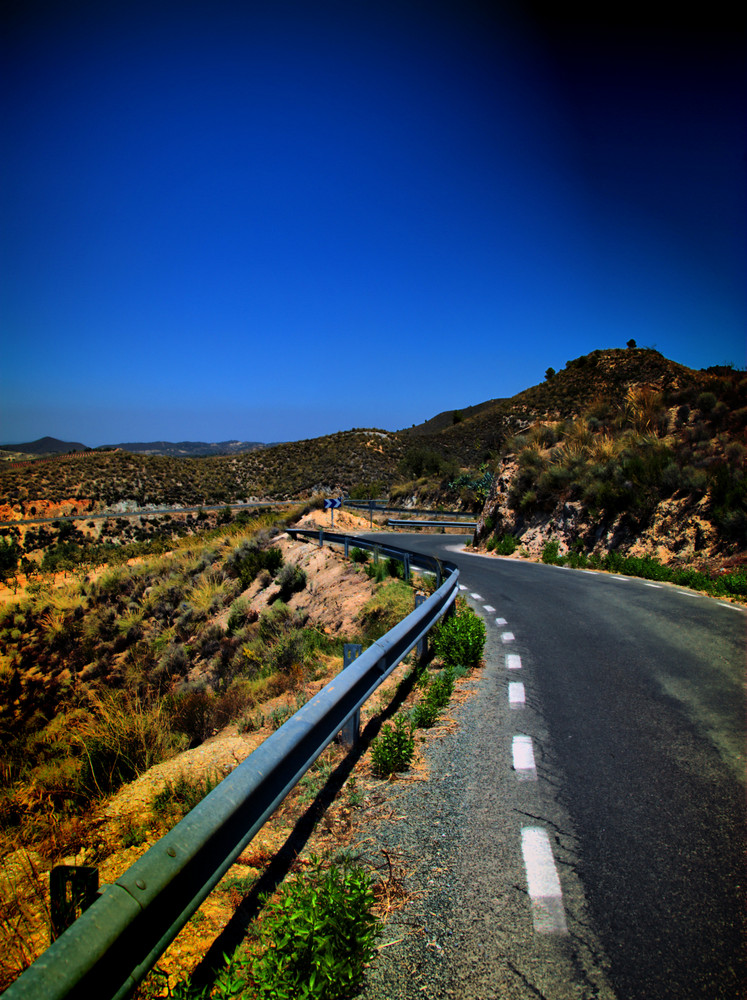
<point x="438" y="692"/>
<point x="424" y="715"/>
<point x="250" y="558"/>
<point x="394" y="747"/>
<point x="551" y="553"/>
<point x="506" y="545"/>
<point x="290" y="579"/>
<point x="317" y="935"/>
<point x="378" y="571"/>
<point x="237" y="616"/>
<point x="359" y="555"/>
<point x="459" y="639"/>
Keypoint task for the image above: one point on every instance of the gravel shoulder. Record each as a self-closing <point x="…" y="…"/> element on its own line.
<point x="466" y="930"/>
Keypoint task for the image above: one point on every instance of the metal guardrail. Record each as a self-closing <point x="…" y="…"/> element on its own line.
<point x="383" y="508"/>
<point x="404" y="523"/>
<point x="119" y="938"/>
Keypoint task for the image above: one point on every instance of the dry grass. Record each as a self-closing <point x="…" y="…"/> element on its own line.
<point x="24" y="912"/>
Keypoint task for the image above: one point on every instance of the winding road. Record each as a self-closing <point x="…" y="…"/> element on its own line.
<point x="586" y="827"/>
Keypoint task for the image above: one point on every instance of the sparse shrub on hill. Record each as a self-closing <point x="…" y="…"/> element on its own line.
<point x="250" y="558"/>
<point x="290" y="579"/>
<point x="9" y="557"/>
<point x="421" y="461"/>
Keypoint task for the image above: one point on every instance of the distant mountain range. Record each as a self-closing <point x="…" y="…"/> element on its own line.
<point x="180" y="449"/>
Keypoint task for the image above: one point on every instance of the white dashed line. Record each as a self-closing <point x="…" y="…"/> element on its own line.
<point x="734" y="607"/>
<point x="656" y="586"/>
<point x="477" y="597"/>
<point x="516" y="694"/>
<point x="462" y="586"/>
<point x="513" y="661"/>
<point x="523" y="755"/>
<point x="543" y="884"/>
<point x="500" y="621"/>
<point x="489" y="608"/>
<point x="688" y="593"/>
<point x="623" y="578"/>
<point x="507" y="637"/>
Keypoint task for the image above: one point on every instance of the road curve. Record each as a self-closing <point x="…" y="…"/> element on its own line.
<point x="617" y="708"/>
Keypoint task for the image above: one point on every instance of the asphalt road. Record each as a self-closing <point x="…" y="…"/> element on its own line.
<point x="611" y="722"/>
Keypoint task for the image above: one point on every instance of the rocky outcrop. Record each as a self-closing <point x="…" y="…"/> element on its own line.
<point x="680" y="528"/>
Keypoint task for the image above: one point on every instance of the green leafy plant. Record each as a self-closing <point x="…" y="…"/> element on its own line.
<point x="317" y="936"/>
<point x="437" y="694"/>
<point x="550" y="553"/>
<point x="359" y="555"/>
<point x="394" y="747"/>
<point x="459" y="639"/>
<point x="506" y="545"/>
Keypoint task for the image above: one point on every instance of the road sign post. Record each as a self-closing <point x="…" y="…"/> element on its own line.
<point x="331" y="505"/>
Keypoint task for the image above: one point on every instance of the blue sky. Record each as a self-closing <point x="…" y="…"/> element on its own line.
<point x="273" y="220"/>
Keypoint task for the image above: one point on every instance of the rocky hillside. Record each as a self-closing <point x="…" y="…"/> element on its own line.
<point x="626" y="451"/>
<point x="621" y="447"/>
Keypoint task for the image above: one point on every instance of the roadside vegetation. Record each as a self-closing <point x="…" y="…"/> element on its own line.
<point x="721" y="585"/>
<point x="314" y="936"/>
<point x="126" y="666"/>
<point x="119" y="669"/>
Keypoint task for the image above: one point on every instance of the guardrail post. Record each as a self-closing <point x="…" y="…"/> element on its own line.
<point x="321" y="537"/>
<point x="406" y="565"/>
<point x="347" y="546"/>
<point x="422" y="647"/>
<point x="72" y="889"/>
<point x="376" y="555"/>
<point x="350" y="732"/>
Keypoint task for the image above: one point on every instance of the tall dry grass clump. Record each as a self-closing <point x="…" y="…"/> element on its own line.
<point x="123" y="737"/>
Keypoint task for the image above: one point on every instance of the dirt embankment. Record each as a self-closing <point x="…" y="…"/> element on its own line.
<point x="123" y="827"/>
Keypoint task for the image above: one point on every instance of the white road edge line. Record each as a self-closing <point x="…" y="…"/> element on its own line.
<point x="656" y="586"/>
<point x="507" y="637"/>
<point x="522" y="752"/>
<point x="543" y="884"/>
<point x="513" y="661"/>
<point x="489" y="608"/>
<point x="477" y="597"/>
<point x="516" y="694"/>
<point x="501" y="621"/>
<point x="725" y="604"/>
